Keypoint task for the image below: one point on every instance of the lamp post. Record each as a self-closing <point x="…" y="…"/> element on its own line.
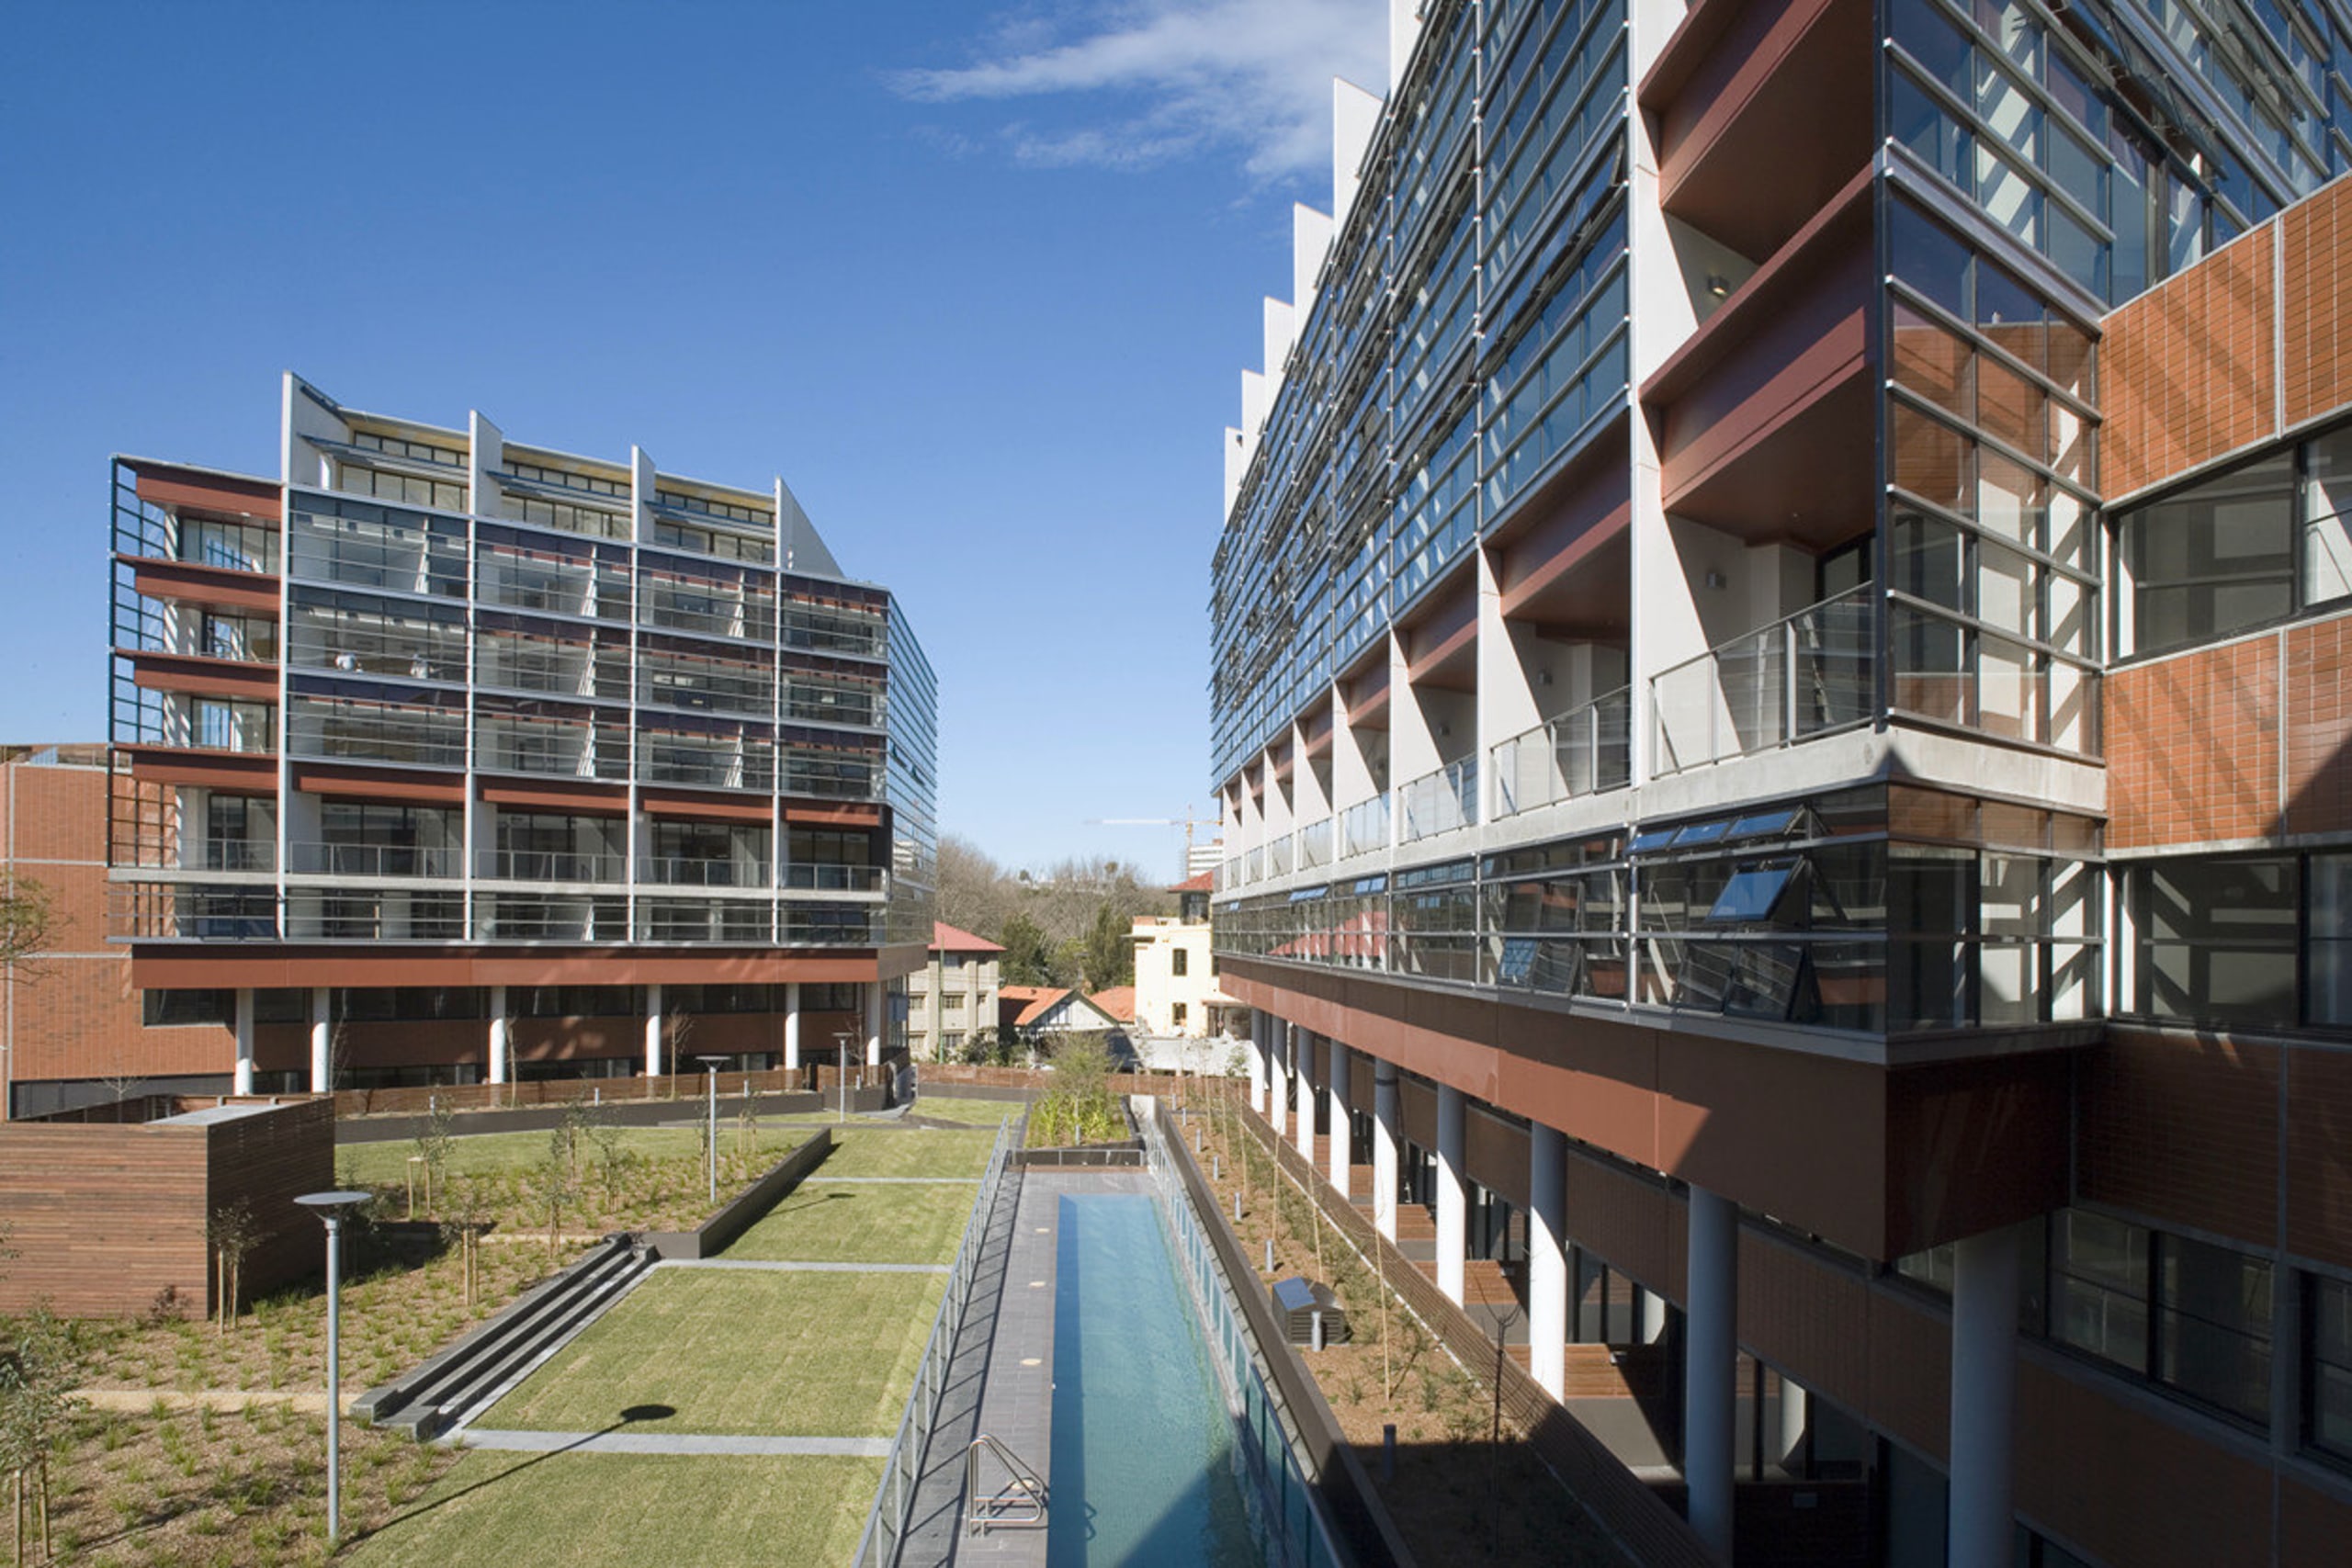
<point x="844" y="1039"/>
<point x="331" y="1207"/>
<point x="710" y="1151"/>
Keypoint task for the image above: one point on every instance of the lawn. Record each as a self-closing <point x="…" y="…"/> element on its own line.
<point x="624" y="1510"/>
<point x="501" y="1154"/>
<point x="830" y="1222"/>
<point x="915" y="1151"/>
<point x="971" y="1112"/>
<point x="753" y="1353"/>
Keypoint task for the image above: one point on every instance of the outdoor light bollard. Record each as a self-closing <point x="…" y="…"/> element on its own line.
<point x="1216" y="1167"/>
<point x="331" y="1207"/>
<point x="1315" y="1329"/>
<point x="1270" y="1255"/>
<point x="1237" y="1205"/>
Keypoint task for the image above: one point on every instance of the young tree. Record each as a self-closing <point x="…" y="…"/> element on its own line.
<point x="466" y="1215"/>
<point x="38" y="1376"/>
<point x="436" y="1140"/>
<point x="552" y="1187"/>
<point x="233" y="1232"/>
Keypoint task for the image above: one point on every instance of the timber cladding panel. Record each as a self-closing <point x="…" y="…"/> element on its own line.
<point x="1799" y="1312"/>
<point x="106" y="1217"/>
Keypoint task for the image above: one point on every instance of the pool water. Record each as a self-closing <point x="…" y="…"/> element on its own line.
<point x="1143" y="1463"/>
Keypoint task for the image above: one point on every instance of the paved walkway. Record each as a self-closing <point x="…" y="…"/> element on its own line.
<point x="819" y="1179"/>
<point x="989" y="1387"/>
<point x="669" y="1443"/>
<point x="141" y="1400"/>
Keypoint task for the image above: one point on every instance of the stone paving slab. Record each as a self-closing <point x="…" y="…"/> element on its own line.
<point x="670" y="1443"/>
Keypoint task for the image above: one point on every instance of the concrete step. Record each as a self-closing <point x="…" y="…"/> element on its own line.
<point x="415" y="1401"/>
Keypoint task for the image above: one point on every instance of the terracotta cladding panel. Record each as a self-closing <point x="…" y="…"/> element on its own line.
<point x="2319" y="1155"/>
<point x="1623" y="1220"/>
<point x="2316" y="237"/>
<point x="2130" y="1488"/>
<point x="1910" y="1372"/>
<point x="2312" y="1527"/>
<point x="1496" y="1153"/>
<point x="2193" y="747"/>
<point x="2189" y="369"/>
<point x="2182" y="1129"/>
<point x="2319" y="735"/>
<point x="1807" y="1317"/>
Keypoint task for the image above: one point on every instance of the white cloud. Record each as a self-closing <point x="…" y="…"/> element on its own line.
<point x="1252" y="76"/>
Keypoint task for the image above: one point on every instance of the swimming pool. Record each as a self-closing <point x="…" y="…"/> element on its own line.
<point x="1143" y="1461"/>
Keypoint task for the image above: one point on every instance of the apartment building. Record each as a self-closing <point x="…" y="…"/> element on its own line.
<point x="439" y="757"/>
<point x="1176" y="992"/>
<point x="954" y="997"/>
<point x="1779" y="700"/>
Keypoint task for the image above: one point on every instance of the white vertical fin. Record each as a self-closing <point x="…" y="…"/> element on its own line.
<point x="1404" y="33"/>
<point x="1282" y="330"/>
<point x="1310" y="242"/>
<point x="1355" y="115"/>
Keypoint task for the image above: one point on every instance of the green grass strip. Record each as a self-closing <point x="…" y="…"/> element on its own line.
<point x="752" y="1353"/>
<point x="628" y="1510"/>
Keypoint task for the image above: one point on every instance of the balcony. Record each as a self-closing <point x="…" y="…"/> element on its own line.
<point x="1364" y="827"/>
<point x="231" y="854"/>
<point x="1809" y="674"/>
<point x="691" y="871"/>
<point x="818" y="630"/>
<point x="1439" y="802"/>
<point x="376" y="860"/>
<point x="833" y="878"/>
<point x="1583" y="752"/>
<point x="550" y="865"/>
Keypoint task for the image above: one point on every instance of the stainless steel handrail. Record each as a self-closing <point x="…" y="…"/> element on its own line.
<point x="1020" y="1506"/>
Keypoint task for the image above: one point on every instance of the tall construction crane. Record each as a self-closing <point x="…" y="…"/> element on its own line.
<point x="1188" y="822"/>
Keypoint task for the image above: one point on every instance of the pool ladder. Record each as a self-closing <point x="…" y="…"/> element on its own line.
<point x="1019" y="1505"/>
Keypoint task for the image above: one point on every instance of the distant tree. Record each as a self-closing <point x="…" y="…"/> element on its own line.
<point x="1028" y="952"/>
<point x="1108" y="956"/>
<point x="972" y="891"/>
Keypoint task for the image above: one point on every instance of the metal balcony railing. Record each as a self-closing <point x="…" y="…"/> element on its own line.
<point x="833" y="878"/>
<point x="375" y="859"/>
<point x="1439" y="802"/>
<point x="1364" y="827"/>
<point x="1583" y="752"/>
<point x="1808" y="675"/>
<point x="689" y="870"/>
<point x="550" y="865"/>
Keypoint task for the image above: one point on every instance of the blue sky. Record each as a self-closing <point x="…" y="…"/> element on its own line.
<point x="978" y="280"/>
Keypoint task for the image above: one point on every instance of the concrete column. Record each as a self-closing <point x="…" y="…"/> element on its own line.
<point x="1277" y="1077"/>
<point x="1258" y="1063"/>
<point x="1710" y="1384"/>
<point x="1983" y="1396"/>
<point x="322" y="1040"/>
<point x="873" y="1008"/>
<point x="1453" y="1194"/>
<point x="1548" y="1257"/>
<point x="1386" y="1115"/>
<point x="653" y="1031"/>
<point x="499" y="1043"/>
<point x="1795" y="1414"/>
<point x="1303" y="1045"/>
<point x="243" y="1083"/>
<point x="792" y="1025"/>
<point x="1337" y="1107"/>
